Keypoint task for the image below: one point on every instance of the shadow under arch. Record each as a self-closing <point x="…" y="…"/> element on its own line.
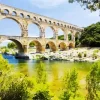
<point x="71" y="45"/>
<point x="39" y="48"/>
<point x="62" y="46"/>
<point x="19" y="45"/>
<point x="52" y="46"/>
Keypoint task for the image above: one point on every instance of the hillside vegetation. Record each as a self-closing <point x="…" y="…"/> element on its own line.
<point x="91" y="36"/>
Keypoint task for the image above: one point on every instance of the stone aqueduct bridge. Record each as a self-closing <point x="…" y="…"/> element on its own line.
<point x="24" y="18"/>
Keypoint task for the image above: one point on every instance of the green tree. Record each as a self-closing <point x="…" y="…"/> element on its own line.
<point x="42" y="95"/>
<point x="41" y="75"/>
<point x="91" y="36"/>
<point x="13" y="85"/>
<point x="70" y="85"/>
<point x="41" y="89"/>
<point x="92" y="5"/>
<point x="61" y="37"/>
<point x="69" y="37"/>
<point x="32" y="44"/>
<point x="93" y="83"/>
<point x="11" y="45"/>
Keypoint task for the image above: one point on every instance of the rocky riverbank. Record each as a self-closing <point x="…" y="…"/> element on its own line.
<point x="77" y="54"/>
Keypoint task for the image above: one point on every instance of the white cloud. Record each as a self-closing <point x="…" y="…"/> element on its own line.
<point x="47" y="3"/>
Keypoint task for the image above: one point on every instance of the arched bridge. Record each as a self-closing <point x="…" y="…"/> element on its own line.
<point x="24" y="18"/>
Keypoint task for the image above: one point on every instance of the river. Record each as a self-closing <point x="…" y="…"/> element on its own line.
<point x="52" y="67"/>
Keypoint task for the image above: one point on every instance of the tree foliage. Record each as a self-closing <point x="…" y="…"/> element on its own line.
<point x="42" y="95"/>
<point x="11" y="45"/>
<point x="91" y="35"/>
<point x="92" y="5"/>
<point x="70" y="85"/>
<point x="13" y="85"/>
<point x="32" y="44"/>
<point x="61" y="37"/>
<point x="41" y="73"/>
<point x="93" y="83"/>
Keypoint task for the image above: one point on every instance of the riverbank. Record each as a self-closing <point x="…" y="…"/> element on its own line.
<point x="77" y="54"/>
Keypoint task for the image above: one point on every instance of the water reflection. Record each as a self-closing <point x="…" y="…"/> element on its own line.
<point x="55" y="69"/>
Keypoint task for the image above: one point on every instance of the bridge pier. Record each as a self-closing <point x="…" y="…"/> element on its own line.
<point x="23" y="54"/>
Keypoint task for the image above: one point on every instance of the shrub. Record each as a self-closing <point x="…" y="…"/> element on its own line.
<point x="42" y="95"/>
<point x="65" y="96"/>
<point x="96" y="51"/>
<point x="94" y="56"/>
<point x="4" y="65"/>
<point x="85" y="54"/>
<point x="42" y="92"/>
<point x="14" y="87"/>
<point x="93" y="83"/>
<point x="80" y="55"/>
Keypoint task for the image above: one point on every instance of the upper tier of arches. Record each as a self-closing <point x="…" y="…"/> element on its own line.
<point x="6" y="10"/>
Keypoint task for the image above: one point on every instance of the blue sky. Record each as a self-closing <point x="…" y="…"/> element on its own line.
<point x="59" y="9"/>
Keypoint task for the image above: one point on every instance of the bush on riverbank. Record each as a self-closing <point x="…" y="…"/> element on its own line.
<point x="13" y="85"/>
<point x="80" y="55"/>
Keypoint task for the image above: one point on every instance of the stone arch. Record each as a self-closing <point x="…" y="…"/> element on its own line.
<point x="50" y="22"/>
<point x="71" y="45"/>
<point x="62" y="46"/>
<point x="40" y="19"/>
<point x="49" y="32"/>
<point x="34" y="18"/>
<point x="34" y="32"/>
<point x="28" y="16"/>
<point x="54" y="23"/>
<point x="62" y="25"/>
<point x="61" y="34"/>
<point x="65" y="25"/>
<point x="58" y="24"/>
<point x="77" y="38"/>
<point x="77" y="35"/>
<point x="39" y="48"/>
<point x="18" y="44"/>
<point x="21" y="15"/>
<point x="45" y="20"/>
<point x="16" y="21"/>
<point x="6" y="11"/>
<point x="70" y="35"/>
<point x="14" y="13"/>
<point x="52" y="46"/>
